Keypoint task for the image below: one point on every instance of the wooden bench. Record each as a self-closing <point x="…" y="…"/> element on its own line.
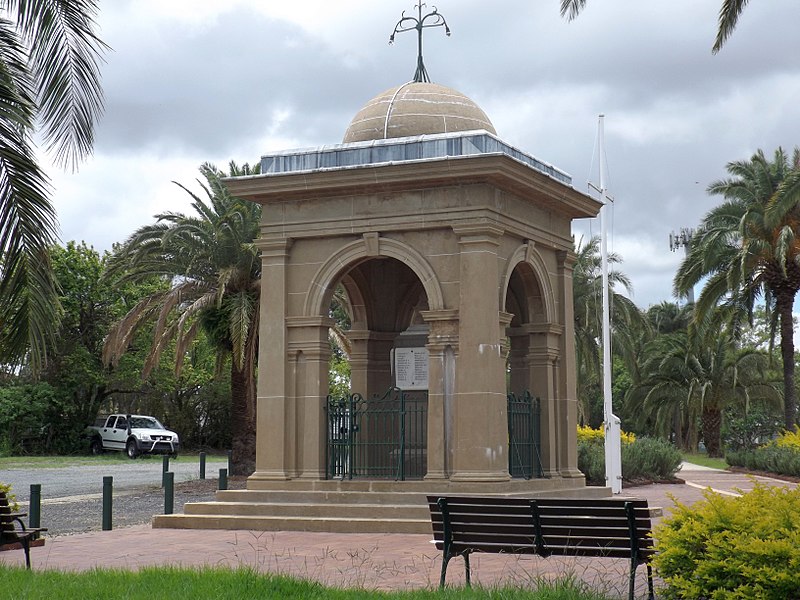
<point x="12" y="537"/>
<point x="601" y="527"/>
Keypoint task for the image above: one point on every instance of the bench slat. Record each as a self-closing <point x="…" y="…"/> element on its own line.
<point x="549" y="534"/>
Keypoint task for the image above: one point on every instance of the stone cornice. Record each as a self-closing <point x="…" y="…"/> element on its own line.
<point x="499" y="170"/>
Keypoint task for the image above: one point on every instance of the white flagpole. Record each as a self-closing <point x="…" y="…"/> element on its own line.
<point x="613" y="444"/>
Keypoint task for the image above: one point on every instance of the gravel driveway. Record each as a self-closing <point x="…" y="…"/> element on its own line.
<point x="72" y="496"/>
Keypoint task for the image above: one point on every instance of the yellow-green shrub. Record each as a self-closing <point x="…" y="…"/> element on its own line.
<point x="732" y="547"/>
<point x="12" y="499"/>
<point x="789" y="439"/>
<point x="598" y="436"/>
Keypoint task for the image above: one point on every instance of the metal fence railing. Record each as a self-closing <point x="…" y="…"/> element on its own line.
<point x="378" y="438"/>
<point x="524" y="436"/>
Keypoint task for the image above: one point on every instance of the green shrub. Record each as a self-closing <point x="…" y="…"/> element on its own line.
<point x="650" y="459"/>
<point x="645" y="459"/>
<point x="784" y="460"/>
<point x="592" y="462"/>
<point x="732" y="547"/>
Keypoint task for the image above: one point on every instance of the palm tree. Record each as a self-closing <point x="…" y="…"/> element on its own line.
<point x="587" y="298"/>
<point x="747" y="249"/>
<point x="729" y="14"/>
<point x="698" y="373"/>
<point x="50" y="79"/>
<point x="215" y="269"/>
<point x="668" y="317"/>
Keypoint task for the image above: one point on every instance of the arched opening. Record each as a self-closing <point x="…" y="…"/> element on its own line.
<point x="378" y="428"/>
<point x="524" y="301"/>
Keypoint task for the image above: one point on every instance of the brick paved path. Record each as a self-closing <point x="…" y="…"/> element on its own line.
<point x="379" y="561"/>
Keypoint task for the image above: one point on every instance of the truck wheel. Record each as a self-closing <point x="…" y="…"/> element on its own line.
<point x="96" y="447"/>
<point x="131" y="449"/>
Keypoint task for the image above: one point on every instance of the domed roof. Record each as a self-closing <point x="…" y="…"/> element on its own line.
<point x="416" y="108"/>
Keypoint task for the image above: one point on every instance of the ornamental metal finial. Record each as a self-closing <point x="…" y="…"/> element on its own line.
<point x="408" y="23"/>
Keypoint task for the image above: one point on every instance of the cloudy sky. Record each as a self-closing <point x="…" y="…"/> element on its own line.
<point x="190" y="81"/>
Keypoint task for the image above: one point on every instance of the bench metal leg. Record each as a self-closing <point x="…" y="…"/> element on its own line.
<point x="467" y="570"/>
<point x="632" y="579"/>
<point x="26" y="546"/>
<point x="650" y="592"/>
<point x="445" y="560"/>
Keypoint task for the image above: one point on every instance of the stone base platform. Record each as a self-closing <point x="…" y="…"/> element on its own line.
<point x="349" y="506"/>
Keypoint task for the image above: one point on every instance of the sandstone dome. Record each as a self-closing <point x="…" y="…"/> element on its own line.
<point x="416" y="108"/>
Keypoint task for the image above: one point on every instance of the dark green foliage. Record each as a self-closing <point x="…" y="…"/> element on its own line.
<point x="25" y="414"/>
<point x="650" y="459"/>
<point x="592" y="463"/>
<point x="645" y="459"/>
<point x="749" y="430"/>
<point x="771" y="458"/>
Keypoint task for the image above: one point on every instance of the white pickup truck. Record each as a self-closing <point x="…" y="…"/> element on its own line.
<point x="133" y="434"/>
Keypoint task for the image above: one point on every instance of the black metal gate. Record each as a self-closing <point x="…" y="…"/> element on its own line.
<point x="381" y="438"/>
<point x="524" y="436"/>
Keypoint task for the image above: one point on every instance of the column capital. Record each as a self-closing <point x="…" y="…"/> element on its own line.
<point x="272" y="248"/>
<point x="443" y="330"/>
<point x="566" y="259"/>
<point x="315" y="321"/>
<point x="478" y="233"/>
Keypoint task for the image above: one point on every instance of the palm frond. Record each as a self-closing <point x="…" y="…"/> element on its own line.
<point x="28" y="298"/>
<point x="728" y="18"/>
<point x="572" y="8"/>
<point x="65" y="54"/>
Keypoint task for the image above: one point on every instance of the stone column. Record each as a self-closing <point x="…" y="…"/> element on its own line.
<point x="359" y="360"/>
<point x="543" y="356"/>
<point x="566" y="371"/>
<point x="480" y="420"/>
<point x="442" y="350"/>
<point x="309" y="340"/>
<point x="273" y="393"/>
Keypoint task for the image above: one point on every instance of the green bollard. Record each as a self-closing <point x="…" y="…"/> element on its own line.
<point x="202" y="465"/>
<point x="164" y="469"/>
<point x="35" y="509"/>
<point x="108" y="486"/>
<point x="223" y="479"/>
<point x="169" y="492"/>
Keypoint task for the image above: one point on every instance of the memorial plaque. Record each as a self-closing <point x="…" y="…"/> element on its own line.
<point x="411" y="368"/>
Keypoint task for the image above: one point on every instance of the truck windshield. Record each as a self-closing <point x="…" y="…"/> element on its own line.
<point x="145" y="423"/>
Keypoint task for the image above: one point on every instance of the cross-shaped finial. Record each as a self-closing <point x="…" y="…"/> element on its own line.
<point x="408" y="23"/>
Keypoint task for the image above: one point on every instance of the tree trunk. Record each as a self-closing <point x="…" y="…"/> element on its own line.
<point x="712" y="425"/>
<point x="784" y="304"/>
<point x="243" y="428"/>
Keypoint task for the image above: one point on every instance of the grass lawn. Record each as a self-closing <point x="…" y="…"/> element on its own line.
<point x="704" y="461"/>
<point x="49" y="462"/>
<point x="222" y="584"/>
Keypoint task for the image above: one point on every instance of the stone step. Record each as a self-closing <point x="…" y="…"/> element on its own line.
<point x="379" y="512"/>
<point x="322" y="497"/>
<point x="265" y="523"/>
<point x="346" y="506"/>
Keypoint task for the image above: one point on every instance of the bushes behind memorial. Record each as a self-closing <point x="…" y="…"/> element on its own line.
<point x="643" y="459"/>
<point x="781" y="456"/>
<point x="732" y="547"/>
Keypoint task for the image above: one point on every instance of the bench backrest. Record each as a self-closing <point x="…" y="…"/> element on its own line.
<point x="564" y="526"/>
